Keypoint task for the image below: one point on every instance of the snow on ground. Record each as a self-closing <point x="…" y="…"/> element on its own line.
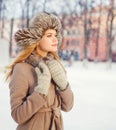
<point x="94" y="90"/>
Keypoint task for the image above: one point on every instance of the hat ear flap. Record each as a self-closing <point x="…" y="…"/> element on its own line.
<point x="21" y="37"/>
<point x="26" y="37"/>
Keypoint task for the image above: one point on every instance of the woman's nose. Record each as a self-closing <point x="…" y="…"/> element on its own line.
<point x="55" y="39"/>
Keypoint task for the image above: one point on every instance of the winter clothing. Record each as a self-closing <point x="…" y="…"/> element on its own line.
<point x="36" y="103"/>
<point x="37" y="27"/>
<point x="31" y="110"/>
<point x="33" y="59"/>
<point x="44" y="78"/>
<point x="58" y="73"/>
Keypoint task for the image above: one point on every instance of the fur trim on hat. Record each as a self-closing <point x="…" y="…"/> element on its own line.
<point x="37" y="27"/>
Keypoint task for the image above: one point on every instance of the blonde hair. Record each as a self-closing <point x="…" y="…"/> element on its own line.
<point x="25" y="54"/>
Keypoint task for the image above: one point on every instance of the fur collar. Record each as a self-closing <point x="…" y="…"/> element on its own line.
<point x="34" y="59"/>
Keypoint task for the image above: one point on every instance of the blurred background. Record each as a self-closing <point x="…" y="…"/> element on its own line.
<point x="88" y="52"/>
<point x="88" y="26"/>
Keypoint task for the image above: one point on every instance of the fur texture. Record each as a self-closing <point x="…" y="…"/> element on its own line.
<point x="37" y="26"/>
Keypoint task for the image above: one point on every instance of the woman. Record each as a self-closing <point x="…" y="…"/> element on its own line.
<point x="39" y="89"/>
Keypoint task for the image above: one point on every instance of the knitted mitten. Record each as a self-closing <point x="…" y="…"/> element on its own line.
<point x="58" y="73"/>
<point x="44" y="78"/>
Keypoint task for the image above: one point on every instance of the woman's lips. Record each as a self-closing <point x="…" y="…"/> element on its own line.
<point x="54" y="44"/>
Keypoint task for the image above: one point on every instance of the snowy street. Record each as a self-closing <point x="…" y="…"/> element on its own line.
<point x="94" y="90"/>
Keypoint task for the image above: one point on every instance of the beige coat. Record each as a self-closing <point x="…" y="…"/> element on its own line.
<point x="31" y="110"/>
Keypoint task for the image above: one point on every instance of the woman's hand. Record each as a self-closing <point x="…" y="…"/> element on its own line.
<point x="58" y="73"/>
<point x="43" y="77"/>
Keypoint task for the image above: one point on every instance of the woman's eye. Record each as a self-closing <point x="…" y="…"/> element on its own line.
<point x="49" y="35"/>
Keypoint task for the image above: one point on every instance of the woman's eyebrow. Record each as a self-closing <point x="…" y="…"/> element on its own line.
<point x="50" y="33"/>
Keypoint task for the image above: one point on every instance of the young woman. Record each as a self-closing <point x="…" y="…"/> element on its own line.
<point x="39" y="89"/>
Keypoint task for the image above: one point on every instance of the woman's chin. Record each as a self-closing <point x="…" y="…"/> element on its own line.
<point x="54" y="50"/>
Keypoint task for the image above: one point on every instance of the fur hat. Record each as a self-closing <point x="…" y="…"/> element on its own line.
<point x="37" y="27"/>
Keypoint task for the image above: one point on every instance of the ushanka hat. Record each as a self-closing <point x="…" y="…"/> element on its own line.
<point x="37" y="27"/>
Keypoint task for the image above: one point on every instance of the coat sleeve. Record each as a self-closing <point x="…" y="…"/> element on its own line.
<point x="23" y="107"/>
<point x="67" y="99"/>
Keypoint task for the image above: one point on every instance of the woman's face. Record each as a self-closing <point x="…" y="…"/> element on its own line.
<point x="49" y="41"/>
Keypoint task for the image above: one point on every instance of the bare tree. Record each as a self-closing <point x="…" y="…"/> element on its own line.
<point x="22" y="12"/>
<point x="84" y="12"/>
<point x="109" y="30"/>
<point x="27" y="12"/>
<point x="1" y="2"/>
<point x="11" y="33"/>
<point x="98" y="31"/>
<point x="86" y="27"/>
<point x="3" y="8"/>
